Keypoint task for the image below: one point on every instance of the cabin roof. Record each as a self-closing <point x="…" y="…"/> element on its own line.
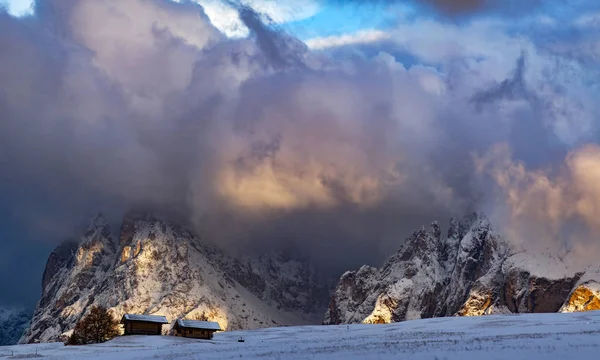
<point x="146" y="318"/>
<point x="195" y="324"/>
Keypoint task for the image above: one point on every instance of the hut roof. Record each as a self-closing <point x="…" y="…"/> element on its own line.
<point x="147" y="318"/>
<point x="195" y="324"/>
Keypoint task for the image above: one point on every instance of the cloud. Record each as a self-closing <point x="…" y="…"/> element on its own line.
<point x="590" y="20"/>
<point x="264" y="144"/>
<point x="280" y="50"/>
<point x="161" y="108"/>
<point x="284" y="11"/>
<point x="360" y="37"/>
<point x="485" y="52"/>
<point x="552" y="210"/>
<point x="224" y="15"/>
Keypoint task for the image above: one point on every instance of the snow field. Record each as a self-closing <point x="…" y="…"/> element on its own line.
<point x="529" y="336"/>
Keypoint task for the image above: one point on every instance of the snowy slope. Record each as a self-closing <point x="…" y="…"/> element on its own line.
<point x="13" y="321"/>
<point x="515" y="337"/>
<point x="472" y="271"/>
<point x="156" y="267"/>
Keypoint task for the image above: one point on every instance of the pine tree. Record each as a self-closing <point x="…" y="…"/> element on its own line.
<point x="98" y="326"/>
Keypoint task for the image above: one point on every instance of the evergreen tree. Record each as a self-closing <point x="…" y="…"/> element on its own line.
<point x="98" y="326"/>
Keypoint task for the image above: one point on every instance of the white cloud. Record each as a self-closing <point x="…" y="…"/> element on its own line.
<point x="226" y="18"/>
<point x="486" y="52"/>
<point x="359" y="37"/>
<point x="281" y="11"/>
<point x="558" y="205"/>
<point x="155" y="111"/>
<point x="100" y="27"/>
<point x="588" y="20"/>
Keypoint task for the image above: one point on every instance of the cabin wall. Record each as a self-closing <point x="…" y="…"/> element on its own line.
<point x="142" y="328"/>
<point x="194" y="333"/>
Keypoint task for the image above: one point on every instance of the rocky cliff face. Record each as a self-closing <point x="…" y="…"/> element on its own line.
<point x="472" y="271"/>
<point x="585" y="295"/>
<point x="155" y="267"/>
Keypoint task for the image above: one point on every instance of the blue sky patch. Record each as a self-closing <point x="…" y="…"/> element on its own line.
<point x="18" y="8"/>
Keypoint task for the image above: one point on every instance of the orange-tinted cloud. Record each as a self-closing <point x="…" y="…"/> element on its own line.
<point x="549" y="210"/>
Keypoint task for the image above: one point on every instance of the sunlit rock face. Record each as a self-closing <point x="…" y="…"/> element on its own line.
<point x="157" y="267"/>
<point x="470" y="272"/>
<point x="586" y="293"/>
<point x="583" y="298"/>
<point x="478" y="304"/>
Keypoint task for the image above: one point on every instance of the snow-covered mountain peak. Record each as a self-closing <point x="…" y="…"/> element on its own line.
<point x="158" y="267"/>
<point x="471" y="220"/>
<point x="473" y="271"/>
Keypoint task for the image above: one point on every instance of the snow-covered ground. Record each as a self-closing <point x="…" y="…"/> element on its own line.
<point x="531" y="336"/>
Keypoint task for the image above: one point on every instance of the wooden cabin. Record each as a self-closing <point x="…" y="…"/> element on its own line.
<point x="134" y="324"/>
<point x="195" y="329"/>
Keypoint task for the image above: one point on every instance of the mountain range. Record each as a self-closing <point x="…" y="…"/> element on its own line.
<point x="157" y="266"/>
<point x="471" y="271"/>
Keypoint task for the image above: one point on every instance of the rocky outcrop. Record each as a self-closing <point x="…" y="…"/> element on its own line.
<point x="479" y="257"/>
<point x="526" y="293"/>
<point x="471" y="272"/>
<point x="156" y="267"/>
<point x="586" y="293"/>
<point x="406" y="286"/>
<point x="583" y="298"/>
<point x="57" y="260"/>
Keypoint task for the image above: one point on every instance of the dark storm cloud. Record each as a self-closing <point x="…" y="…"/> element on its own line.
<point x="261" y="143"/>
<point x="279" y="49"/>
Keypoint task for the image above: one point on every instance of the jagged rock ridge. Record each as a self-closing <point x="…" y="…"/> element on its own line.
<point x="156" y="267"/>
<point x="472" y="271"/>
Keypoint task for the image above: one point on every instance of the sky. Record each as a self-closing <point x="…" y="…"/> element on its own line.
<point x="334" y="128"/>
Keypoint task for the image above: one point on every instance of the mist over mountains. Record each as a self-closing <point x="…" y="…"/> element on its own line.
<point x="262" y="143"/>
<point x="155" y="266"/>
